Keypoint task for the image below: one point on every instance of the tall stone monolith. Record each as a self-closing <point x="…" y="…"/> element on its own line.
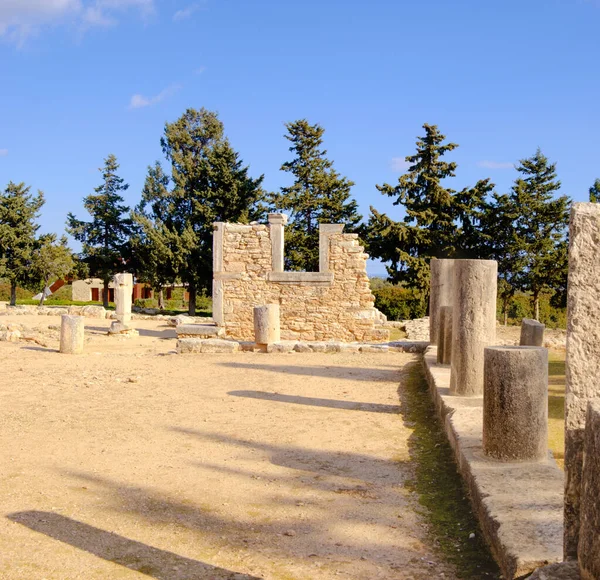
<point x="532" y="333"/>
<point x="266" y="324"/>
<point x="473" y="323"/>
<point x="71" y="334"/>
<point x="440" y="293"/>
<point x="588" y="550"/>
<point x="515" y="403"/>
<point x="583" y="354"/>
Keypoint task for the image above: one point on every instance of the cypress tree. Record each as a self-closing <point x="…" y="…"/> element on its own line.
<point x="19" y="211"/>
<point x="595" y="192"/>
<point x="105" y="239"/>
<point x="319" y="194"/>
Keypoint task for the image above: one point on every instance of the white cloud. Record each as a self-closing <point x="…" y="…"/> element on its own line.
<point x="3" y="152"/>
<point x="20" y="19"/>
<point x="140" y="101"/>
<point x="186" y="13"/>
<point x="399" y="164"/>
<point x="495" y="165"/>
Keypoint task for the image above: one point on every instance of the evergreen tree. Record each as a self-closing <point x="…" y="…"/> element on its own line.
<point x="319" y="194"/>
<point x="210" y="184"/>
<point x="154" y="246"/>
<point x="541" y="227"/>
<point x="595" y="192"/>
<point x="18" y="214"/>
<point x="438" y="223"/>
<point x="52" y="259"/>
<point x="105" y="240"/>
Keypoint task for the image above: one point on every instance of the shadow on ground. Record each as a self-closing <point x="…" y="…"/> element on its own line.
<point x="137" y="556"/>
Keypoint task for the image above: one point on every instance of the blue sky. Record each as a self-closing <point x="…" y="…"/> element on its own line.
<point x="85" y="78"/>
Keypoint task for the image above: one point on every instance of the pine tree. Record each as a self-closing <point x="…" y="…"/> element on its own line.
<point x="595" y="192"/>
<point x="438" y="223"/>
<point x="105" y="240"/>
<point x="210" y="184"/>
<point x="52" y="259"/>
<point x="541" y="227"/>
<point x="18" y="214"/>
<point x="319" y="194"/>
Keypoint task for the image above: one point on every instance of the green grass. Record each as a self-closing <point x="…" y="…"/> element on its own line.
<point x="445" y="504"/>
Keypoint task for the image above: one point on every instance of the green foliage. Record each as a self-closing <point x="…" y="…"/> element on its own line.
<point x="18" y="214"/>
<point x="520" y="306"/>
<point x="595" y="192"/>
<point x="52" y="260"/>
<point x="21" y="293"/>
<point x="105" y="240"/>
<point x="438" y="223"/>
<point x="319" y="194"/>
<point x="146" y="302"/>
<point x="209" y="184"/>
<point x="397" y="302"/>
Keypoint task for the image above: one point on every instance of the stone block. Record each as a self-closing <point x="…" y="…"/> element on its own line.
<point x="199" y="331"/>
<point x="532" y="333"/>
<point x="515" y="403"/>
<point x="71" y="334"/>
<point x="206" y="346"/>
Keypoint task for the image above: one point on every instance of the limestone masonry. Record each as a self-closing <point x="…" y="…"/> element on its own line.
<point x="335" y="303"/>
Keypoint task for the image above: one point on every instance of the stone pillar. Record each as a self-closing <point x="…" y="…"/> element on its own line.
<point x="583" y="353"/>
<point x="515" y="403"/>
<point x="473" y="323"/>
<point x="266" y="324"/>
<point x="71" y="334"/>
<point x="532" y="333"/>
<point x="440" y="293"/>
<point x="123" y="284"/>
<point x="277" y="222"/>
<point x="444" y="342"/>
<point x="325" y="232"/>
<point x="588" y="551"/>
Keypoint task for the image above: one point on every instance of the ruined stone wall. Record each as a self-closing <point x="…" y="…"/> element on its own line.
<point x="333" y="304"/>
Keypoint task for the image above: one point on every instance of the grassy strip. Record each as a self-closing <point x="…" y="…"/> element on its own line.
<point x="556" y="405"/>
<point x="442" y="495"/>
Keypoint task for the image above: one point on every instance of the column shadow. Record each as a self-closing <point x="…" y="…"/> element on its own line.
<point x="153" y="562"/>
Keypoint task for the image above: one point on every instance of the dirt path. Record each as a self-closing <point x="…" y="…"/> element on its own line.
<point x="132" y="462"/>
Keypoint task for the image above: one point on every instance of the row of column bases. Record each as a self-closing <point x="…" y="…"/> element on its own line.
<point x="513" y="380"/>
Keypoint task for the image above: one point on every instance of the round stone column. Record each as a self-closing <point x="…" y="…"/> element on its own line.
<point x="473" y="323"/>
<point x="532" y="333"/>
<point x="515" y="403"/>
<point x="440" y="293"/>
<point x="71" y="334"/>
<point x="266" y="324"/>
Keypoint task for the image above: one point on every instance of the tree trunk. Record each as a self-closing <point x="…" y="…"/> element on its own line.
<point x="105" y="294"/>
<point x="13" y="293"/>
<point x="536" y="306"/>
<point x="161" y="299"/>
<point x="192" y="304"/>
<point x="505" y="303"/>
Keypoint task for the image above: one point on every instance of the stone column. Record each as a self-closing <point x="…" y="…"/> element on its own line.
<point x="473" y="323"/>
<point x="440" y="293"/>
<point x="266" y="324"/>
<point x="588" y="551"/>
<point x="123" y="284"/>
<point x="583" y="354"/>
<point x="325" y="232"/>
<point x="532" y="333"/>
<point x="71" y="334"/>
<point x="515" y="403"/>
<point x="277" y="222"/>
<point x="444" y="342"/>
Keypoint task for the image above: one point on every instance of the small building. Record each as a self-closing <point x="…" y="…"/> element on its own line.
<point x="92" y="290"/>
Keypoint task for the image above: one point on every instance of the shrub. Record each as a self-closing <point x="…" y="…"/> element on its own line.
<point x="398" y="302"/>
<point x="146" y="303"/>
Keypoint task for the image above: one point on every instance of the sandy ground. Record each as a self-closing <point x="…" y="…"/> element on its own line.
<point x="130" y="461"/>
